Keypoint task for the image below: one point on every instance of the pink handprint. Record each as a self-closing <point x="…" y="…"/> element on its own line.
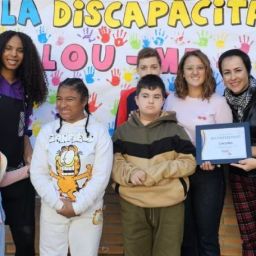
<point x="60" y="40"/>
<point x="245" y="43"/>
<point x="119" y="38"/>
<point x="115" y="79"/>
<point x="92" y="103"/>
<point x="56" y="77"/>
<point x="104" y="34"/>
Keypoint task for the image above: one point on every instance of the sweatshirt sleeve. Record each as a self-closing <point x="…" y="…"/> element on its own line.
<point x="102" y="166"/>
<point x="122" y="169"/>
<point x="39" y="173"/>
<point x="14" y="176"/>
<point x="183" y="163"/>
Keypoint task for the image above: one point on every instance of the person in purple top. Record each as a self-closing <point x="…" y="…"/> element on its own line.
<point x="22" y="83"/>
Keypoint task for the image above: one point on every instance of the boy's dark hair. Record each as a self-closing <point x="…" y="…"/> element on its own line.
<point x="151" y="82"/>
<point x="148" y="53"/>
<point x="79" y="86"/>
<point x="30" y="72"/>
<point x="236" y="52"/>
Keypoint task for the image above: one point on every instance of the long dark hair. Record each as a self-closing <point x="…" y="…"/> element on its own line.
<point x="30" y="72"/>
<point x="79" y="86"/>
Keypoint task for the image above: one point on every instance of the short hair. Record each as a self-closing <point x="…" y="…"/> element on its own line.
<point x="209" y="84"/>
<point x="151" y="82"/>
<point x="148" y="53"/>
<point x="236" y="52"/>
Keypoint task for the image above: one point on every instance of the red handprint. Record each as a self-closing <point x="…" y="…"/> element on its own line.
<point x="119" y="38"/>
<point x="92" y="103"/>
<point x="104" y="34"/>
<point x="56" y="77"/>
<point x="115" y="79"/>
<point x="245" y="44"/>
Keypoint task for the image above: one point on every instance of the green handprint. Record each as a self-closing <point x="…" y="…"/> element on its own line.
<point x="135" y="42"/>
<point x="114" y="108"/>
<point x="203" y="37"/>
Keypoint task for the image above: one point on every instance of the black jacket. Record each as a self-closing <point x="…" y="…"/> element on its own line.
<point x="249" y="116"/>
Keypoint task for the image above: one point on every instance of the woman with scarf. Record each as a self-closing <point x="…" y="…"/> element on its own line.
<point x="235" y="68"/>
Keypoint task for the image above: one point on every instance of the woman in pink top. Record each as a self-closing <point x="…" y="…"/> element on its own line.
<point x="196" y="103"/>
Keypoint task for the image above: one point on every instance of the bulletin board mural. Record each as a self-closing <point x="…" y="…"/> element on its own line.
<point x="98" y="41"/>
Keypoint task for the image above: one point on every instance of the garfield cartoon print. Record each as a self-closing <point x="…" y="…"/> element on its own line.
<point x="68" y="171"/>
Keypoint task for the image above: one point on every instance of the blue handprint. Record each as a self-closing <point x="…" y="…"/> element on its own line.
<point x="160" y="36"/>
<point x="146" y="42"/>
<point x="42" y="37"/>
<point x="89" y="75"/>
<point x="111" y="128"/>
<point x="219" y="83"/>
<point x="171" y="85"/>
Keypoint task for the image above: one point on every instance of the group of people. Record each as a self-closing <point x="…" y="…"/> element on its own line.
<point x="169" y="204"/>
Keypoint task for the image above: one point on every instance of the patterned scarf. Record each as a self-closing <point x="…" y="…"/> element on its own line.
<point x="240" y="101"/>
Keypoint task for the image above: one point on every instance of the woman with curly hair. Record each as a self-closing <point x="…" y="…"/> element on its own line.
<point x="22" y="84"/>
<point x="196" y="103"/>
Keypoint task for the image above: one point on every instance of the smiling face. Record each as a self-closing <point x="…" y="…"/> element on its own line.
<point x="70" y="104"/>
<point x="150" y="103"/>
<point x="149" y="66"/>
<point x="235" y="75"/>
<point x="194" y="73"/>
<point x="13" y="55"/>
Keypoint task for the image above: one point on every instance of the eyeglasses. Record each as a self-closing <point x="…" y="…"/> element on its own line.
<point x="194" y="68"/>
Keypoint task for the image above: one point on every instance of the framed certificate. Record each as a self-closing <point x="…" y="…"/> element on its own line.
<point x="223" y="143"/>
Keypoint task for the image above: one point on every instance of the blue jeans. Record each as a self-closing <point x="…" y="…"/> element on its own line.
<point x="2" y="229"/>
<point x="203" y="208"/>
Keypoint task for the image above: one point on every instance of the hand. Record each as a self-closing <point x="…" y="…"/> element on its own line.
<point x="207" y="166"/>
<point x="138" y="178"/>
<point x="246" y="164"/>
<point x="67" y="208"/>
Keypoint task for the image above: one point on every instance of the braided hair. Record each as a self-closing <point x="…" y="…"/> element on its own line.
<point x="79" y="86"/>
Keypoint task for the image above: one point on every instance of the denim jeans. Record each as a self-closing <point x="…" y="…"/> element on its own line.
<point x="2" y="229"/>
<point x="203" y="208"/>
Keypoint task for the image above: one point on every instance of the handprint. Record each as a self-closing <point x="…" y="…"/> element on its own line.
<point x="104" y="34"/>
<point x="220" y="40"/>
<point x="219" y="82"/>
<point x="87" y="34"/>
<point x="56" y="75"/>
<point x="146" y="42"/>
<point x="171" y="85"/>
<point x="111" y="128"/>
<point x="245" y="43"/>
<point x="160" y="37"/>
<point x="77" y="74"/>
<point x="92" y="103"/>
<point x="128" y="75"/>
<point x="36" y="127"/>
<point x="135" y="42"/>
<point x="125" y="87"/>
<point x="52" y="97"/>
<point x="180" y="39"/>
<point x="115" y="79"/>
<point x="119" y="38"/>
<point x="203" y="37"/>
<point x="60" y="40"/>
<point x="2" y="29"/>
<point x="42" y="37"/>
<point x="114" y="108"/>
<point x="89" y="75"/>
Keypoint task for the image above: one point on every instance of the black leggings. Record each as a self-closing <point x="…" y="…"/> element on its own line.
<point x="23" y="237"/>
